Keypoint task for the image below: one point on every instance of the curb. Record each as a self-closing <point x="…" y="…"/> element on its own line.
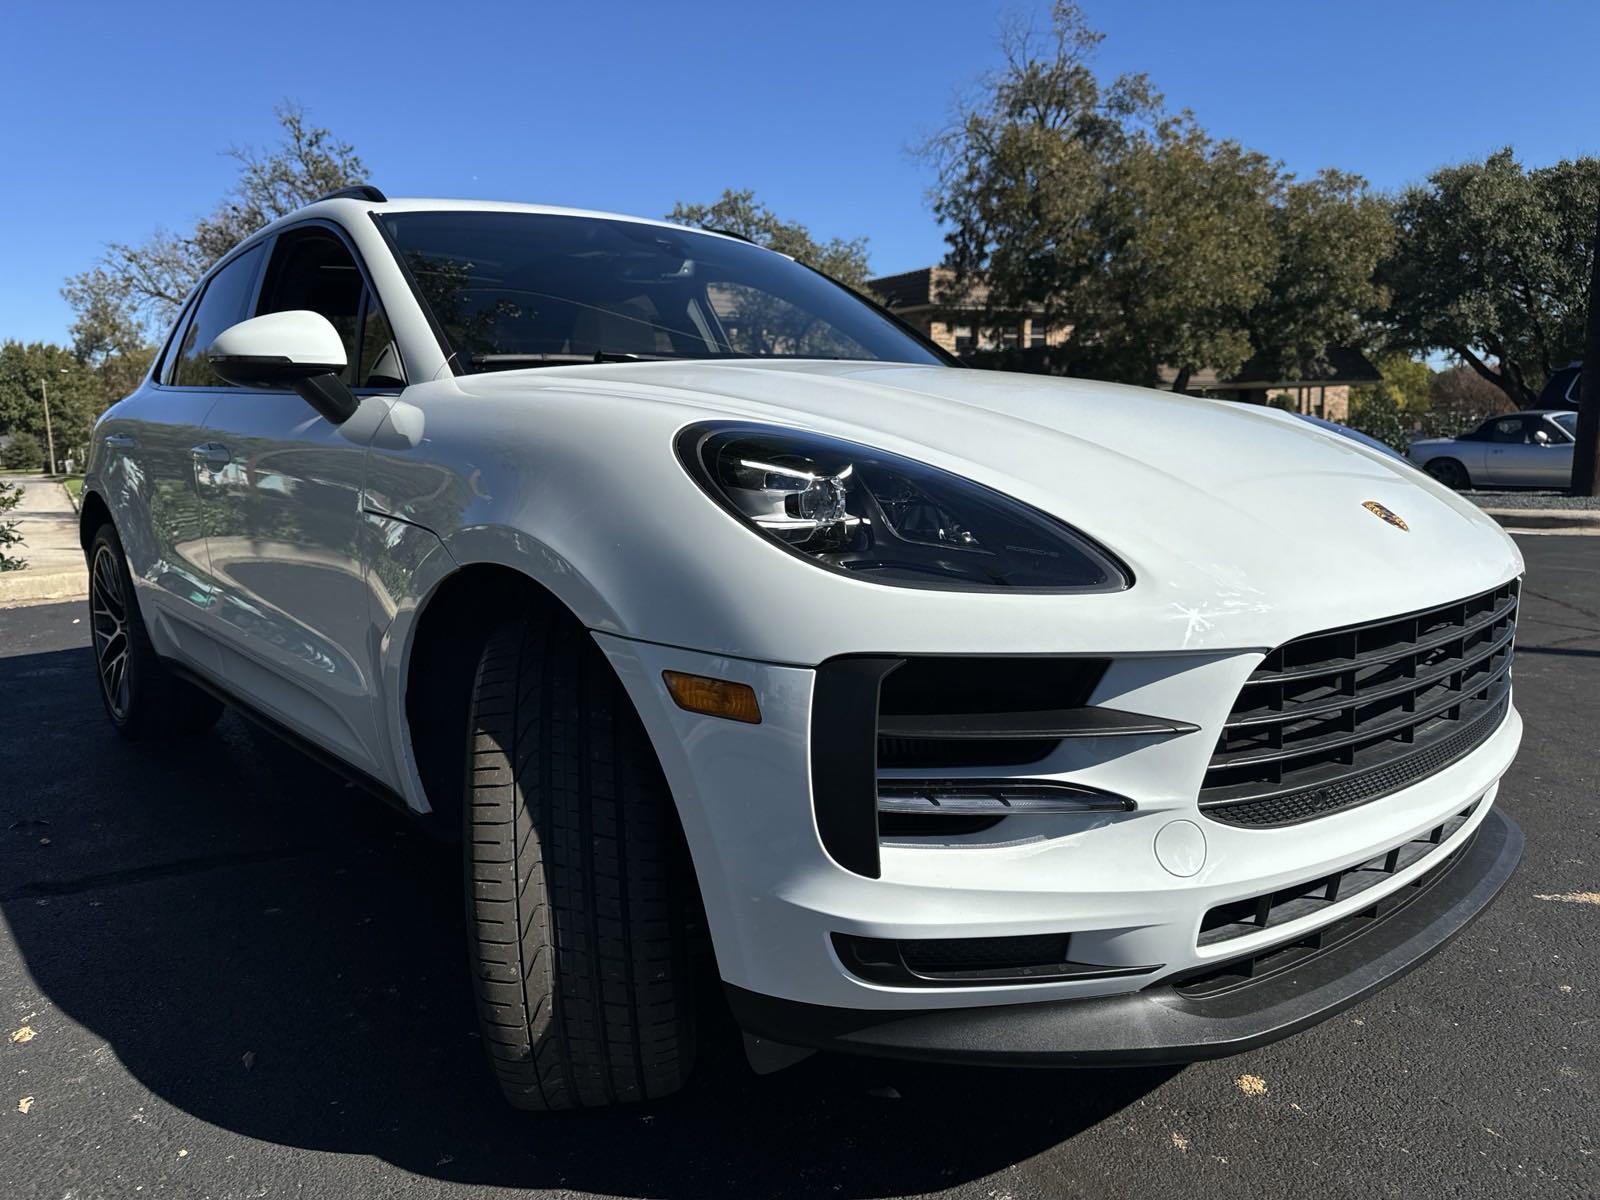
<point x="1568" y="520"/>
<point x="32" y="587"/>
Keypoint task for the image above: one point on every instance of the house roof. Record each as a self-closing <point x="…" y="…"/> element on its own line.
<point x="909" y="289"/>
<point x="1342" y="366"/>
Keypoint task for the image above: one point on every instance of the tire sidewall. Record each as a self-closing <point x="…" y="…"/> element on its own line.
<point x="106" y="540"/>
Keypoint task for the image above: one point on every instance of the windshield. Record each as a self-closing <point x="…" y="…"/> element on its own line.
<point x="1567" y="421"/>
<point x="513" y="289"/>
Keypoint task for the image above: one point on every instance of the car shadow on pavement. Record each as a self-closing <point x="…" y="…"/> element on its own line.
<point x="283" y="958"/>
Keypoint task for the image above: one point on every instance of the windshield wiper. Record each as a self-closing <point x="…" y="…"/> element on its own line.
<point x="561" y="359"/>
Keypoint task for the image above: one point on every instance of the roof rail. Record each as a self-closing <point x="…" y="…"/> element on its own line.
<point x="359" y="191"/>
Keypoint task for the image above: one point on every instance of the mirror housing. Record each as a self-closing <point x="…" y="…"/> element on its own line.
<point x="1541" y="437"/>
<point x="298" y="350"/>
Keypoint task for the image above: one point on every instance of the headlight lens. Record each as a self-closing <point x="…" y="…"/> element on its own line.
<point x="890" y="519"/>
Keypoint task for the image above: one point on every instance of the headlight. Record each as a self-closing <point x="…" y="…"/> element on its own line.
<point x="889" y="519"/>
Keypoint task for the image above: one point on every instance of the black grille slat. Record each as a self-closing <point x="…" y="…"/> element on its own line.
<point x="1336" y="719"/>
<point x="1411" y="681"/>
<point x="1357" y="730"/>
<point x="1271" y="670"/>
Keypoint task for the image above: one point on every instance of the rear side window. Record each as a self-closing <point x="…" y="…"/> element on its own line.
<point x="225" y="302"/>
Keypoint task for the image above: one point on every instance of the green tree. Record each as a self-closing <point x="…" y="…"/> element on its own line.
<point x="74" y="389"/>
<point x="10" y="496"/>
<point x="22" y="452"/>
<point x="1087" y="204"/>
<point x="742" y="214"/>
<point x="1331" y="233"/>
<point x="1407" y="383"/>
<point x="124" y="300"/>
<point x="1491" y="263"/>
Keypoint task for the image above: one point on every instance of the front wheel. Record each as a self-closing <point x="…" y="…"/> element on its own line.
<point x="1449" y="472"/>
<point x="575" y="879"/>
<point x="142" y="698"/>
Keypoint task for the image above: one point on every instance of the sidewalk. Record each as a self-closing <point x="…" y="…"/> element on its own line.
<point x="49" y="527"/>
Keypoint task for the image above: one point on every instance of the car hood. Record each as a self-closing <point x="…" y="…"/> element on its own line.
<point x="1197" y="496"/>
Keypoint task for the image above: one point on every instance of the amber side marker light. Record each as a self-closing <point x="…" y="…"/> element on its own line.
<point x="714" y="697"/>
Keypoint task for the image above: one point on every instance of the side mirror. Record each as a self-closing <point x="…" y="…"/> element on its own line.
<point x="1541" y="437"/>
<point x="299" y="350"/>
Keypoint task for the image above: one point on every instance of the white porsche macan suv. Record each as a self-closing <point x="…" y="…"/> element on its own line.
<point x="957" y="715"/>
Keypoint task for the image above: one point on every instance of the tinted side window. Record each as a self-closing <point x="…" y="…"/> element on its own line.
<point x="312" y="270"/>
<point x="225" y="302"/>
<point x="1507" y="429"/>
<point x="167" y="364"/>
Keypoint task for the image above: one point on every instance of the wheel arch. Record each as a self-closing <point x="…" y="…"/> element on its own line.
<point x="1447" y="460"/>
<point x="448" y="631"/>
<point x="93" y="512"/>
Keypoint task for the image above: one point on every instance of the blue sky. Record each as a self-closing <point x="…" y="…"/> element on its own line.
<point x="115" y="116"/>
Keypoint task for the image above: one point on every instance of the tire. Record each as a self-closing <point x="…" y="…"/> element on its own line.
<point x="1449" y="472"/>
<point x="142" y="698"/>
<point x="576" y="880"/>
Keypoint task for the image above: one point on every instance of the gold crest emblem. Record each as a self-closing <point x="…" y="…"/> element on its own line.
<point x="1385" y="514"/>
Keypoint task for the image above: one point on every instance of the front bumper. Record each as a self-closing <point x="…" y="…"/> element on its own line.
<point x="1162" y="1024"/>
<point x="779" y="908"/>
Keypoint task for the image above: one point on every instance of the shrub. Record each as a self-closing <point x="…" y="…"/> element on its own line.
<point x="22" y="453"/>
<point x="10" y="494"/>
<point x="1377" y="415"/>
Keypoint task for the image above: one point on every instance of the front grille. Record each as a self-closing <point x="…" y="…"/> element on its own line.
<point x="1240" y="918"/>
<point x="1256" y="968"/>
<point x="1337" y="719"/>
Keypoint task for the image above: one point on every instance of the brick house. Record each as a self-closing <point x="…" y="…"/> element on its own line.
<point x="925" y="300"/>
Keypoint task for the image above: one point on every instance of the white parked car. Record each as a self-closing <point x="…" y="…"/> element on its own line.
<point x="959" y="715"/>
<point x="1525" y="449"/>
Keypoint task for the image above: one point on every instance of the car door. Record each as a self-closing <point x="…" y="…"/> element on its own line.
<point x="1513" y="458"/>
<point x="152" y="466"/>
<point x="282" y="489"/>
<point x="1555" y="460"/>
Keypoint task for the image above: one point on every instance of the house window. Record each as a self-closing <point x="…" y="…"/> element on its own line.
<point x="1036" y="335"/>
<point x="1009" y="338"/>
<point x="963" y="339"/>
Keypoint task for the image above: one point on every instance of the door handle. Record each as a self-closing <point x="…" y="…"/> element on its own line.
<point x="213" y="456"/>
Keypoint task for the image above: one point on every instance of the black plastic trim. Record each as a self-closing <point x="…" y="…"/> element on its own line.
<point x="883" y="961"/>
<point x="1088" y="721"/>
<point x="993" y="797"/>
<point x="357" y="191"/>
<point x="294" y="740"/>
<point x="1160" y="1024"/>
<point x="844" y="759"/>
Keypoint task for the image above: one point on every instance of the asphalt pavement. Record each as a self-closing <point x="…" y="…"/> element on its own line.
<point x="225" y="973"/>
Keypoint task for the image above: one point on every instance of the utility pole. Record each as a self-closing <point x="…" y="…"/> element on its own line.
<point x="1585" y="477"/>
<point x="49" y="437"/>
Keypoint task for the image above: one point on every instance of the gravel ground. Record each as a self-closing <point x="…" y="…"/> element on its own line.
<point x="225" y="974"/>
<point x="1485" y="499"/>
